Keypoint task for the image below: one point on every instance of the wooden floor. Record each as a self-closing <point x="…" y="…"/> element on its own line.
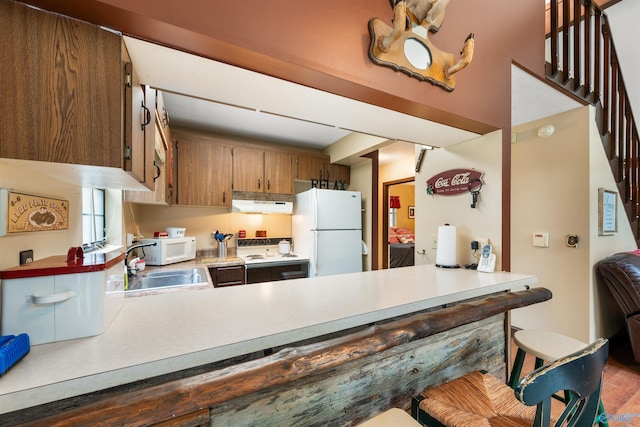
<point x="621" y="388"/>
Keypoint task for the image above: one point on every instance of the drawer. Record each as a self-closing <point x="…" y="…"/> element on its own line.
<point x="227" y="276"/>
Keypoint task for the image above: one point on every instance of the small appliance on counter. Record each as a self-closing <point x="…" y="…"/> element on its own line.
<point x="169" y="250"/>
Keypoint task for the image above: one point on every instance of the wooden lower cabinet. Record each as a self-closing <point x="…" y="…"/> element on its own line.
<point x="278" y="272"/>
<point x="227" y="276"/>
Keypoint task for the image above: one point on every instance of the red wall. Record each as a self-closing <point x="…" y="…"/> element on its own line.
<point x="324" y="44"/>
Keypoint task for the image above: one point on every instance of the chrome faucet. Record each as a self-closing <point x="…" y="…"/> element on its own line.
<point x="126" y="255"/>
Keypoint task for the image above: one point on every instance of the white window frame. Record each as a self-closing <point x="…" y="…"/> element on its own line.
<point x="92" y="237"/>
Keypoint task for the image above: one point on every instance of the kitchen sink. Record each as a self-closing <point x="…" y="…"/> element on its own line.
<point x="168" y="278"/>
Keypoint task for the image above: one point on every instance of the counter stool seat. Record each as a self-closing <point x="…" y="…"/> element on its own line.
<point x="394" y="417"/>
<point x="479" y="399"/>
<point x="545" y="346"/>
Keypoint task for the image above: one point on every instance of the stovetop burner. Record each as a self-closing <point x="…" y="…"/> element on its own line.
<point x="263" y="251"/>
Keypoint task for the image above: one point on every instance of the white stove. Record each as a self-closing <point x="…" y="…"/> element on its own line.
<point x="263" y="250"/>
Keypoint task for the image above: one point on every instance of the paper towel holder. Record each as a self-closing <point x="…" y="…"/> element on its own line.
<point x="440" y="265"/>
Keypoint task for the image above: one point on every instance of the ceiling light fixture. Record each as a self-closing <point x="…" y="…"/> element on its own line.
<point x="546" y="131"/>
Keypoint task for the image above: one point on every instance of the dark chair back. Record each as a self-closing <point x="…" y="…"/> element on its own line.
<point x="580" y="374"/>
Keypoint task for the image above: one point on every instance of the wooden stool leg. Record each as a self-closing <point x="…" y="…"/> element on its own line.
<point x="517" y="368"/>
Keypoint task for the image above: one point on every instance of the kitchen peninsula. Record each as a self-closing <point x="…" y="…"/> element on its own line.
<point x="158" y="335"/>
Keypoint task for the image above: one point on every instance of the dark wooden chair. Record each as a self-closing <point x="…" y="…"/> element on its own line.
<point x="479" y="399"/>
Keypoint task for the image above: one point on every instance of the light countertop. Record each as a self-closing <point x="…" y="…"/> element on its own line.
<point x="163" y="333"/>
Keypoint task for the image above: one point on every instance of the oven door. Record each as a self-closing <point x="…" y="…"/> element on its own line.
<point x="275" y="271"/>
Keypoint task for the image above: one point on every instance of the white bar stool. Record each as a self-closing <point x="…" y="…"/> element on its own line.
<point x="546" y="346"/>
<point x="394" y="417"/>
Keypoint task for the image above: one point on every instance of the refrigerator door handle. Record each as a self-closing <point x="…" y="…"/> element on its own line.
<point x="315" y="254"/>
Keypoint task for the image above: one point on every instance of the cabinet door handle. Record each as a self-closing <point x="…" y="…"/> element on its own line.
<point x="147" y="115"/>
<point x="157" y="170"/>
<point x="50" y="299"/>
<point x="224" y="197"/>
<point x="259" y="183"/>
<point x="268" y="184"/>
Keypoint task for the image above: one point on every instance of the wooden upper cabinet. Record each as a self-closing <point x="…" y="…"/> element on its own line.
<point x="339" y="173"/>
<point x="163" y="183"/>
<point x="317" y="167"/>
<point x="61" y="89"/>
<point x="262" y="171"/>
<point x="278" y="172"/>
<point x="311" y="167"/>
<point x="248" y="169"/>
<point x="139" y="125"/>
<point x="203" y="171"/>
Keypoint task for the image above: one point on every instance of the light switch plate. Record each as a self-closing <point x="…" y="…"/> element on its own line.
<point x="541" y="240"/>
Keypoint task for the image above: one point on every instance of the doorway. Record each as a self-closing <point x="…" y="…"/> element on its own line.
<point x="398" y="239"/>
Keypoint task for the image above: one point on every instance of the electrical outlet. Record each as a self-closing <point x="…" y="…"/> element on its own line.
<point x="434" y="241"/>
<point x="26" y="256"/>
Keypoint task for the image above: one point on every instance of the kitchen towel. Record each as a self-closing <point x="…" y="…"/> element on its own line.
<point x="446" y="252"/>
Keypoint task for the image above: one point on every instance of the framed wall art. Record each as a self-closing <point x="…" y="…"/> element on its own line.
<point x="20" y="212"/>
<point x="412" y="212"/>
<point x="607" y="212"/>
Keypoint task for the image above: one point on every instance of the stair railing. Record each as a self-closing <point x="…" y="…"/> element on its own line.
<point x="583" y="61"/>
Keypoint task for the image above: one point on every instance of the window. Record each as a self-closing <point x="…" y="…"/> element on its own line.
<point x="93" y="218"/>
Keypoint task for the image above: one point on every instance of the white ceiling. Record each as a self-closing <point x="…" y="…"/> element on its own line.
<point x="209" y="95"/>
<point x="200" y="114"/>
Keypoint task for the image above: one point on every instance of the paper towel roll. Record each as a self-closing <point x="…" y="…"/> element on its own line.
<point x="446" y="252"/>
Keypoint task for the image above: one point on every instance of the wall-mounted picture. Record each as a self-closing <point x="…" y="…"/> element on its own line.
<point x="607" y="212"/>
<point x="412" y="212"/>
<point x="20" y="212"/>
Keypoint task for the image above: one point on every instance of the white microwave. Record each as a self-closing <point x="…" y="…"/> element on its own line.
<point x="169" y="250"/>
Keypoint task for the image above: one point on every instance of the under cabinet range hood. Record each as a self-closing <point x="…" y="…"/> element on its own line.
<point x="262" y="206"/>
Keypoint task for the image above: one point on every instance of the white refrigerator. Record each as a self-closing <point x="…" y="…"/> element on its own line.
<point x="327" y="226"/>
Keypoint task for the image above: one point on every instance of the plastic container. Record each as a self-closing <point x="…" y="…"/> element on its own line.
<point x="175" y="231"/>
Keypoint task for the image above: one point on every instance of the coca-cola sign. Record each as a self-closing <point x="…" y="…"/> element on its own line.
<point x="454" y="181"/>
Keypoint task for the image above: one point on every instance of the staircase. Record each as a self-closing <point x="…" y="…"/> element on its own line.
<point x="584" y="63"/>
